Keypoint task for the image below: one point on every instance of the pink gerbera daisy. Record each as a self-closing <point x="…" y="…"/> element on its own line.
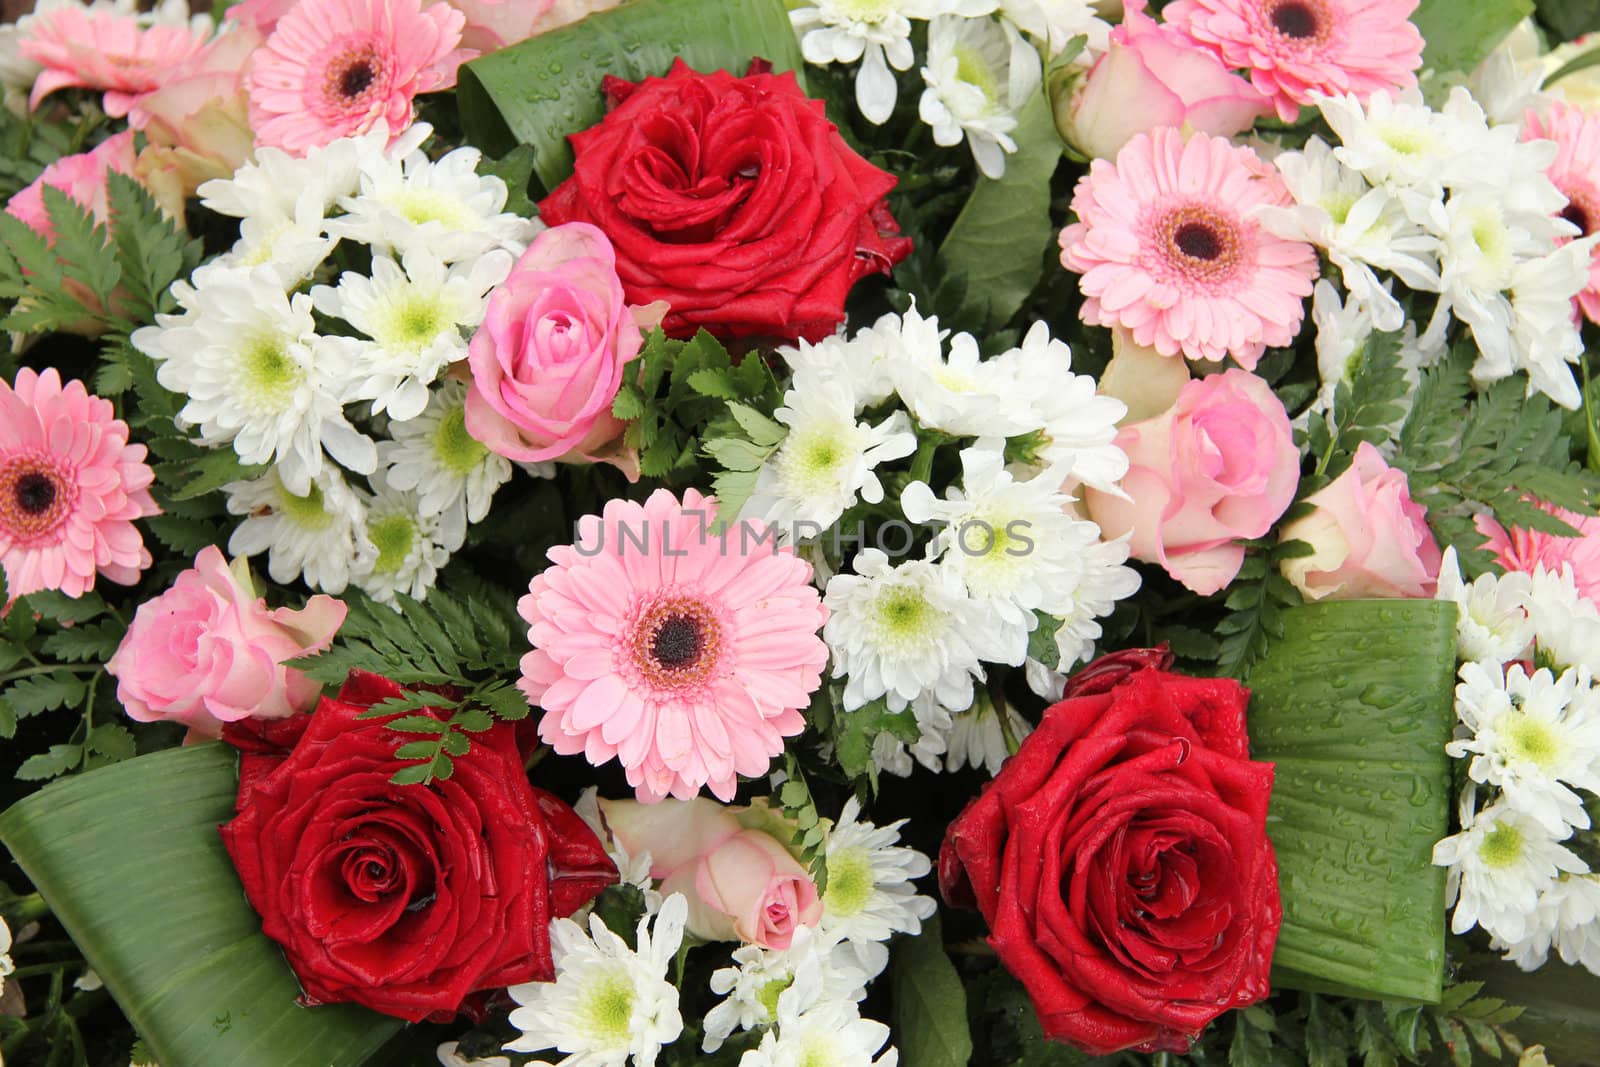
<point x="1169" y="248"/>
<point x="336" y="68"/>
<point x="1528" y="550"/>
<point x="1295" y="49"/>
<point x="98" y="48"/>
<point x="1576" y="172"/>
<point x="683" y="654"/>
<point x="70" y="487"/>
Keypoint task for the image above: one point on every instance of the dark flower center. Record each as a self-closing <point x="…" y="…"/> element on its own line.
<point x="1575" y="214"/>
<point x="677" y="642"/>
<point x="35" y="493"/>
<point x="1295" y="20"/>
<point x="356" y="78"/>
<point x="1198" y="241"/>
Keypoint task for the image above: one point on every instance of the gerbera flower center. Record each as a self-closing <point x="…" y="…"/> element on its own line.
<point x="676" y="642"/>
<point x="1299" y="20"/>
<point x="354" y="76"/>
<point x="1581" y="212"/>
<point x="1199" y="243"/>
<point x="35" y="497"/>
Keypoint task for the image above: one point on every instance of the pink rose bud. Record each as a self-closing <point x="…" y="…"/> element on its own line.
<point x="1153" y="75"/>
<point x="1370" y="538"/>
<point x="197" y="122"/>
<point x="208" y="651"/>
<point x="1219" y="466"/>
<point x="741" y="883"/>
<point x="547" y="361"/>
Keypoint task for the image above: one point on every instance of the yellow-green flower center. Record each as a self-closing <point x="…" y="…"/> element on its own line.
<point x="306" y="511"/>
<point x="270" y="374"/>
<point x="419" y="206"/>
<point x="608" y="1009"/>
<point x="457" y="450"/>
<point x="866" y="10"/>
<point x="1533" y="741"/>
<point x="1502" y="846"/>
<point x="810" y="461"/>
<point x="904" y="614"/>
<point x="413" y="322"/>
<point x="850" y="882"/>
<point x="972" y="68"/>
<point x="393" y="536"/>
<point x="768" y="997"/>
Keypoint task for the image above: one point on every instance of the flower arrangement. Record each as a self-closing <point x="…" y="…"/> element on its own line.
<point x="960" y="533"/>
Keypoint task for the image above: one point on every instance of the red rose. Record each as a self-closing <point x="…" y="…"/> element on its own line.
<point x="735" y="200"/>
<point x="407" y="899"/>
<point x="1122" y="862"/>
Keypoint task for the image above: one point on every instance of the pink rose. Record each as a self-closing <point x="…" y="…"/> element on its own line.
<point x="547" y="361"/>
<point x="741" y="883"/>
<point x="1153" y="75"/>
<point x="1219" y="466"/>
<point x="1370" y="538"/>
<point x="495" y="24"/>
<point x="197" y="122"/>
<point x="82" y="177"/>
<point x="208" y="651"/>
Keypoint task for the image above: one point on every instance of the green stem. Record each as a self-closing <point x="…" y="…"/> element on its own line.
<point x="24" y="910"/>
<point x="1591" y="417"/>
<point x="88" y="715"/>
<point x="536" y="757"/>
<point x="922" y="464"/>
<point x="48" y="668"/>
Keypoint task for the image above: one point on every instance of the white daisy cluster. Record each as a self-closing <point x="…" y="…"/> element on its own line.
<point x="1447" y="204"/>
<point x="983" y="61"/>
<point x="320" y="345"/>
<point x="1007" y="550"/>
<point x="1529" y="712"/>
<point x="804" y="1000"/>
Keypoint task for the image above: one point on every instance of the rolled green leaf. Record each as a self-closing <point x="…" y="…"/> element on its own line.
<point x="129" y="860"/>
<point x="540" y="91"/>
<point x="1355" y="704"/>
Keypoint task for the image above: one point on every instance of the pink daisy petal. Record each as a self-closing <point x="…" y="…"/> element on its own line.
<point x="93" y="48"/>
<point x="1295" y="49"/>
<point x="1168" y="248"/>
<point x="1576" y="172"/>
<point x="337" y="68"/>
<point x="1528" y="550"/>
<point x="695" y="672"/>
<point x="70" y="487"/>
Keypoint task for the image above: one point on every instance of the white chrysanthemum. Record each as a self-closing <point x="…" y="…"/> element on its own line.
<point x="977" y="739"/>
<point x="306" y="535"/>
<point x="1362" y="228"/>
<point x="979" y="74"/>
<point x="1532" y="737"/>
<point x="1567" y="919"/>
<point x="451" y="471"/>
<point x="1016" y="544"/>
<point x="826" y="463"/>
<point x="1566" y="626"/>
<point x="1397" y="140"/>
<point x="1499" y="864"/>
<point x="877" y="32"/>
<point x="416" y="321"/>
<point x="1544" y="339"/>
<point x="450" y="1056"/>
<point x="874" y="356"/>
<point x="860" y="363"/>
<point x="1077" y="426"/>
<point x="901" y="632"/>
<point x="1493" y="624"/>
<point x="830" y="1033"/>
<point x="1106" y="580"/>
<point x="893" y="756"/>
<point x="870" y="895"/>
<point x="445" y="206"/>
<point x="6" y="966"/>
<point x="274" y="184"/>
<point x="759" y="976"/>
<point x="1511" y="79"/>
<point x="608" y="1002"/>
<point x="247" y="357"/>
<point x="964" y="394"/>
<point x="400" y="550"/>
<point x="292" y="246"/>
<point x="1053" y="23"/>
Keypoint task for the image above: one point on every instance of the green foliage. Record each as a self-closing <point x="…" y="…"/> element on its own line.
<point x="1569" y="19"/>
<point x="1465" y="454"/>
<point x="1042" y="641"/>
<point x="810" y="830"/>
<point x="515" y="168"/>
<point x="1354" y="704"/>
<point x="200" y="982"/>
<point x="854" y="733"/>
<point x="548" y="87"/>
<point x="930" y="1003"/>
<point x="462" y="651"/>
<point x="1258" y="599"/>
<point x="678" y="394"/>
<point x="1460" y="33"/>
<point x="997" y="245"/>
<point x="1364" y="409"/>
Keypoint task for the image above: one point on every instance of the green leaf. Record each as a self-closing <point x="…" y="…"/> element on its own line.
<point x="516" y="170"/>
<point x="543" y="90"/>
<point x="80" y="644"/>
<point x="1563" y="1005"/>
<point x="930" y="1003"/>
<point x="1460" y="33"/>
<point x="53" y="763"/>
<point x="736" y="455"/>
<point x="758" y="427"/>
<point x="200" y="982"/>
<point x="1570" y="18"/>
<point x="997" y="243"/>
<point x="1042" y="641"/>
<point x="45" y="692"/>
<point x="1354" y="704"/>
<point x="855" y="731"/>
<point x="417" y="724"/>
